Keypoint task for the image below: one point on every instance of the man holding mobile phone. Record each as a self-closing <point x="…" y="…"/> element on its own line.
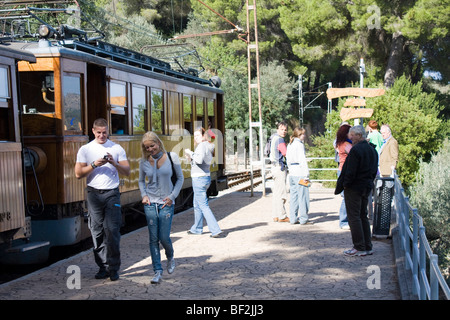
<point x="101" y="161"/>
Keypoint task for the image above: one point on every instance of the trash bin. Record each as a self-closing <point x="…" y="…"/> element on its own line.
<point x="384" y="191"/>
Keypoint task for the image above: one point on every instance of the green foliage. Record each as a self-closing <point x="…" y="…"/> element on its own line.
<point x="132" y="38"/>
<point x="236" y="101"/>
<point x="430" y="194"/>
<point x="276" y="90"/>
<point x="413" y="118"/>
<point x="168" y="16"/>
<point x="273" y="44"/>
<point x="325" y="32"/>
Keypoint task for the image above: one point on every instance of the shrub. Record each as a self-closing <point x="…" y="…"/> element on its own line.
<point x="430" y="194"/>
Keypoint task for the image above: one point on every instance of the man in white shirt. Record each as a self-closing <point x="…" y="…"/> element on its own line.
<point x="101" y="161"/>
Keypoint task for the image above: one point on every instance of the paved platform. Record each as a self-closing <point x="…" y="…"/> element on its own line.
<point x="258" y="259"/>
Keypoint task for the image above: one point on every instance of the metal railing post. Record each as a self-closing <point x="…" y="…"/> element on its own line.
<point x="407" y="243"/>
<point x="434" y="284"/>
<point x="422" y="267"/>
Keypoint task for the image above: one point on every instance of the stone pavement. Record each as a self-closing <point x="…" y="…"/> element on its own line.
<point x="257" y="260"/>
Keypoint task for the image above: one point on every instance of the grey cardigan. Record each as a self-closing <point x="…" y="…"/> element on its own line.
<point x="163" y="187"/>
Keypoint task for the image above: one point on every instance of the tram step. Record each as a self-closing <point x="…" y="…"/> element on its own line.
<point x="28" y="247"/>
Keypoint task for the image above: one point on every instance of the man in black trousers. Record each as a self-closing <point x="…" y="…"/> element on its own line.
<point x="356" y="179"/>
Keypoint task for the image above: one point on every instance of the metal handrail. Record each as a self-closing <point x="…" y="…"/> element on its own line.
<point x="322" y="169"/>
<point x="417" y="249"/>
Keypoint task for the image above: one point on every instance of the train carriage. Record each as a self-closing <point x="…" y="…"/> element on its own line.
<point x="72" y="83"/>
<point x="14" y="221"/>
<point x="12" y="209"/>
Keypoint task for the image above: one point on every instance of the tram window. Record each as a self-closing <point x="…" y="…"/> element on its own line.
<point x="72" y="102"/>
<point x="118" y="101"/>
<point x="200" y="113"/>
<point x="211" y="114"/>
<point x="157" y="111"/>
<point x="139" y="109"/>
<point x="4" y="84"/>
<point x="38" y="92"/>
<point x="5" y="112"/>
<point x="118" y="124"/>
<point x="187" y="113"/>
<point x="5" y="119"/>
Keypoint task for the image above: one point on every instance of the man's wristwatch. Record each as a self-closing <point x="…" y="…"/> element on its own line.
<point x="93" y="165"/>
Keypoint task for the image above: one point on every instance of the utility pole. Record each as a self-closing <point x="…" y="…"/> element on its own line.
<point x="362" y="69"/>
<point x="300" y="99"/>
<point x="253" y="53"/>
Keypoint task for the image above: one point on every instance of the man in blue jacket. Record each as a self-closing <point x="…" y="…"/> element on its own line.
<point x="356" y="179"/>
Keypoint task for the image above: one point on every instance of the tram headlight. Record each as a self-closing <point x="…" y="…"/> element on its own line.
<point x="44" y="31"/>
<point x="216" y="81"/>
<point x="34" y="157"/>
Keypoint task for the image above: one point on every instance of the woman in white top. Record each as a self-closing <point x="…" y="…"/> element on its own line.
<point x="201" y="160"/>
<point x="298" y="169"/>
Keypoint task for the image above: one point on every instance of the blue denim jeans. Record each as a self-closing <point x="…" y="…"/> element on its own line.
<point x="343" y="220"/>
<point x="201" y="207"/>
<point x="159" y="221"/>
<point x="299" y="201"/>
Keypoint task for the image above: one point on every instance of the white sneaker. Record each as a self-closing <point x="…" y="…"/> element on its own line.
<point x="355" y="253"/>
<point x="157" y="277"/>
<point x="170" y="265"/>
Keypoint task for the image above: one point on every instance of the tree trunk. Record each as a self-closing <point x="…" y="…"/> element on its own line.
<point x="395" y="58"/>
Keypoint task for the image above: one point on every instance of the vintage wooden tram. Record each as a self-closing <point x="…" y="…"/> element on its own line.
<point x="14" y="222"/>
<point x="63" y="87"/>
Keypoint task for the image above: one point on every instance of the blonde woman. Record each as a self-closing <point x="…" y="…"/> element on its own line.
<point x="158" y="196"/>
<point x="298" y="169"/>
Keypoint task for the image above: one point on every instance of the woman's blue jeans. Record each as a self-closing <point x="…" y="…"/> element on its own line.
<point x="159" y="221"/>
<point x="343" y="220"/>
<point x="201" y="207"/>
<point x="299" y="201"/>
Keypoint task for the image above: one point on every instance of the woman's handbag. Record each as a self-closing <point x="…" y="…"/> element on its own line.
<point x="174" y="175"/>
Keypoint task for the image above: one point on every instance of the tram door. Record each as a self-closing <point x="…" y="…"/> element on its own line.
<point x="96" y="96"/>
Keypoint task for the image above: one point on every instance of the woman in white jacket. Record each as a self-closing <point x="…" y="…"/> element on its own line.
<point x="298" y="169"/>
<point x="200" y="161"/>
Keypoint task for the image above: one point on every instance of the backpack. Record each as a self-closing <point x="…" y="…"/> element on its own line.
<point x="267" y="147"/>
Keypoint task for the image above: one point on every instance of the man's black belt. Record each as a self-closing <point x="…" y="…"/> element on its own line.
<point x="100" y="190"/>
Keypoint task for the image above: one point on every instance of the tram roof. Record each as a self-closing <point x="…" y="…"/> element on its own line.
<point x="11" y="52"/>
<point x="105" y="56"/>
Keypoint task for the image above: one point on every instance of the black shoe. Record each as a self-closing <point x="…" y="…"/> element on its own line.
<point x="102" y="274"/>
<point x="114" y="275"/>
<point x="219" y="235"/>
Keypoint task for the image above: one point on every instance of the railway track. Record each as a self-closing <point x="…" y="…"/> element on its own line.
<point x="236" y="180"/>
